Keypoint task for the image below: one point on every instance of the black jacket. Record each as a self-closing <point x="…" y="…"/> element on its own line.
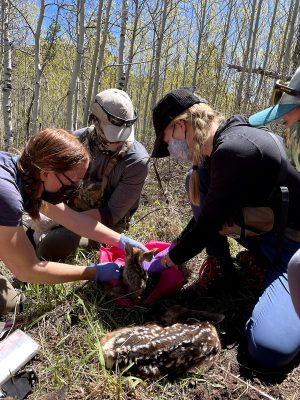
<point x="244" y="167"/>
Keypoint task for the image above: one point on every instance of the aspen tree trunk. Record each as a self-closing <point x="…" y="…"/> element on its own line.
<point x="290" y="41"/>
<point x="7" y="69"/>
<point x="137" y="14"/>
<point x="34" y="126"/>
<point x="266" y="59"/>
<point x="82" y="85"/>
<point x="200" y="34"/>
<point x="94" y="64"/>
<point x="148" y="91"/>
<point x="177" y="66"/>
<point x="186" y="59"/>
<point x="140" y="99"/>
<point x="296" y="53"/>
<point x="284" y="39"/>
<point x="76" y="102"/>
<point x="238" y="100"/>
<point x="121" y="69"/>
<point x="168" y="60"/>
<point x="77" y="63"/>
<point x="102" y="48"/>
<point x="158" y="51"/>
<point x="253" y="44"/>
<point x="222" y="53"/>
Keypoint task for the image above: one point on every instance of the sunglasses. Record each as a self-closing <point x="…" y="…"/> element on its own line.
<point x="281" y="87"/>
<point x="113" y="119"/>
<point x="72" y="183"/>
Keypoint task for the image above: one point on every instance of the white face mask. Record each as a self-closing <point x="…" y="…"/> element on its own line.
<point x="179" y="149"/>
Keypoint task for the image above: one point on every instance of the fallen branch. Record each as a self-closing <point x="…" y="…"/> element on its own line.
<point x="265" y="395"/>
<point x="144" y="216"/>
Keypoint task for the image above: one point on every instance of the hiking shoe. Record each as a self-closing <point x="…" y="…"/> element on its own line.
<point x="214" y="268"/>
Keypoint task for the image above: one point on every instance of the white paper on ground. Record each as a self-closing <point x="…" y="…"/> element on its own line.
<point x="15" y="351"/>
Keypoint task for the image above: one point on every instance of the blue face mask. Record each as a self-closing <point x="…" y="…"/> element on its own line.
<point x="179" y="149"/>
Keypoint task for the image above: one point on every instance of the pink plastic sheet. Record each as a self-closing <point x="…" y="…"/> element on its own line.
<point x="170" y="280"/>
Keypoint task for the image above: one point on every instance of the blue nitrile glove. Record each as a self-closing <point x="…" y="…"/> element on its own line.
<point x="125" y="239"/>
<point x="108" y="271"/>
<point x="154" y="265"/>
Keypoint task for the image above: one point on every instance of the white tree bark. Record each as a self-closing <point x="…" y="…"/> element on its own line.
<point x="7" y="70"/>
<point x="288" y="48"/>
<point x="102" y="48"/>
<point x="77" y="63"/>
<point x="251" y="57"/>
<point x="238" y="99"/>
<point x="121" y="69"/>
<point x="296" y="52"/>
<point x="266" y="59"/>
<point x="137" y="13"/>
<point x="200" y="35"/>
<point x="223" y="49"/>
<point x="94" y="64"/>
<point x="158" y="52"/>
<point x="38" y="72"/>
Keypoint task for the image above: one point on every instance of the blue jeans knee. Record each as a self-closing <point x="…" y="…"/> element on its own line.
<point x="265" y="352"/>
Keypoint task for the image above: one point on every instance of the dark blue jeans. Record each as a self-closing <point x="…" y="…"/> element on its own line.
<point x="273" y="329"/>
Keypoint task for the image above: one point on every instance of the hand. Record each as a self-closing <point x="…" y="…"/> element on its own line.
<point x="109" y="271"/>
<point x="125" y="239"/>
<point x="157" y="264"/>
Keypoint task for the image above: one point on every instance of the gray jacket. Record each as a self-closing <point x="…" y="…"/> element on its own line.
<point x="125" y="183"/>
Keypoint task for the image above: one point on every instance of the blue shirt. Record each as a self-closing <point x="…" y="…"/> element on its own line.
<point x="11" y="199"/>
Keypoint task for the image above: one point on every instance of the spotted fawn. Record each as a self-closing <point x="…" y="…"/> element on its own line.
<point x="135" y="278"/>
<point x="164" y="351"/>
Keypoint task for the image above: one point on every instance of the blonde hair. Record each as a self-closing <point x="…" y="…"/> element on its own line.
<point x="201" y="117"/>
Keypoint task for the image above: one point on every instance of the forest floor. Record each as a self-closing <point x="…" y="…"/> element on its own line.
<point x="69" y="320"/>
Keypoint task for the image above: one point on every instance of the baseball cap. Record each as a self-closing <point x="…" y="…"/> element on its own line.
<point x="114" y="109"/>
<point x="169" y="107"/>
<point x="286" y="103"/>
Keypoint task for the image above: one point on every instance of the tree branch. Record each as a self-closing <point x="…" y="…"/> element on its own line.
<point x="260" y="71"/>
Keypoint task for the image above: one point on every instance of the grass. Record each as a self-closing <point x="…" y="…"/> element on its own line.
<point x="69" y="320"/>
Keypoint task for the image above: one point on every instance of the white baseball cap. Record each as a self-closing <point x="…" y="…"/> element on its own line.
<point x="116" y="113"/>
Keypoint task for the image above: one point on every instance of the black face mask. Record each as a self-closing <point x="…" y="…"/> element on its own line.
<point x="65" y="193"/>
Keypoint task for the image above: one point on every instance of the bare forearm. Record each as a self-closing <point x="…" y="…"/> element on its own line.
<point x="51" y="272"/>
<point x="19" y="257"/>
<point x="81" y="224"/>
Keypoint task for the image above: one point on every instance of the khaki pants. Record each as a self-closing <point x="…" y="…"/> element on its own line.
<point x="9" y="297"/>
<point x="59" y="243"/>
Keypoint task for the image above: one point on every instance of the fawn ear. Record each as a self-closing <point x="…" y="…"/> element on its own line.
<point x="148" y="255"/>
<point x="128" y="249"/>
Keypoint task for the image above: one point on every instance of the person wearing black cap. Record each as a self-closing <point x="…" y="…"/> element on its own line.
<point x="218" y="260"/>
<point x="246" y="172"/>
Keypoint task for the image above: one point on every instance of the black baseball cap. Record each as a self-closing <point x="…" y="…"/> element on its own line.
<point x="169" y="107"/>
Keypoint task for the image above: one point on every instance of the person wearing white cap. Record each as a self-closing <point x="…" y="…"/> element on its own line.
<point x="286" y="110"/>
<point x="113" y="185"/>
